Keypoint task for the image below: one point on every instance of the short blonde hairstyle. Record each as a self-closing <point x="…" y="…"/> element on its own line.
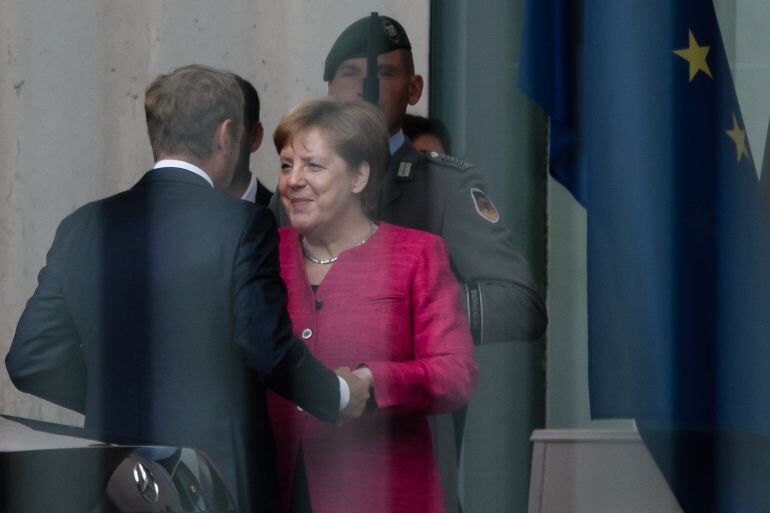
<point x="185" y="107"/>
<point x="355" y="130"/>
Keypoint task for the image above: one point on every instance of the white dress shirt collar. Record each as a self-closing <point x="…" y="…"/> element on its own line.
<point x="251" y="190"/>
<point x="181" y="164"/>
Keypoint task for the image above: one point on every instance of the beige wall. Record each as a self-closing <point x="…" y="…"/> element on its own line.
<point x="72" y="76"/>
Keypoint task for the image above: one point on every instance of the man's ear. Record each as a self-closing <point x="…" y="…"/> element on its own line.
<point x="416" y="84"/>
<point x="360" y="178"/>
<point x="256" y="139"/>
<point x="223" y="136"/>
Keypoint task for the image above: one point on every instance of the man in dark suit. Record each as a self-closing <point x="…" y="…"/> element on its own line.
<point x="245" y="184"/>
<point x="160" y="312"/>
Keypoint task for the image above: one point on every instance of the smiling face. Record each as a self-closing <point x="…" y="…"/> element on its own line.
<point x="399" y="86"/>
<point x="319" y="191"/>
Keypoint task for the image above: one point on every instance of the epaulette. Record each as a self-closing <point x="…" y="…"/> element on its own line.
<point x="447" y="160"/>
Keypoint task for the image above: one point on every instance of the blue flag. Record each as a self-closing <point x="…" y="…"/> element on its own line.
<point x="647" y="134"/>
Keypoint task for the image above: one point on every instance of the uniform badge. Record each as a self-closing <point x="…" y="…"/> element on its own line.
<point x="405" y="172"/>
<point x="484" y="205"/>
<point x="390" y="31"/>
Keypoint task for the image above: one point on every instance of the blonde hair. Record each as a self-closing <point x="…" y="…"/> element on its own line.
<point x="355" y="130"/>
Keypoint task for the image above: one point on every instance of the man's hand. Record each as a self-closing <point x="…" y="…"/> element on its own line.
<point x="359" y="395"/>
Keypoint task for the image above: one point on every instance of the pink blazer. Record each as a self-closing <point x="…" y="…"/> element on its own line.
<point x="393" y="305"/>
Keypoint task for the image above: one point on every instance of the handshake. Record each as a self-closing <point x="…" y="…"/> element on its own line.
<point x="360" y="384"/>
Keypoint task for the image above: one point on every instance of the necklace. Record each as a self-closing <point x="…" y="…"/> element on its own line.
<point x="327" y="261"/>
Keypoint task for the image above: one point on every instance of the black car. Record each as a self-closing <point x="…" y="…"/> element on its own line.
<point x="49" y="468"/>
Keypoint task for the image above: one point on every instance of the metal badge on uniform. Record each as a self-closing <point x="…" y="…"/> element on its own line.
<point x="484" y="205"/>
<point x="405" y="172"/>
<point x="391" y="31"/>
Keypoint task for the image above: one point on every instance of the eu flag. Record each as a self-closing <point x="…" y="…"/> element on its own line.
<point x="647" y="134"/>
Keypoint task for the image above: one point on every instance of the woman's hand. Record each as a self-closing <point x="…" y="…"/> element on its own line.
<point x="364" y="373"/>
<point x="359" y="394"/>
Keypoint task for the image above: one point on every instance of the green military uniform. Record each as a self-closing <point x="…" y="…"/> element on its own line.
<point x="446" y="196"/>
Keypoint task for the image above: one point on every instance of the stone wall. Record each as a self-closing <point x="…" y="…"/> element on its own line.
<point x="72" y="79"/>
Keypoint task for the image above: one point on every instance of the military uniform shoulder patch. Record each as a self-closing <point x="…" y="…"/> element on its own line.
<point x="484" y="205"/>
<point x="447" y="160"/>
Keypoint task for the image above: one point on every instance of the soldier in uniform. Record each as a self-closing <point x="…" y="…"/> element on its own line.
<point x="443" y="195"/>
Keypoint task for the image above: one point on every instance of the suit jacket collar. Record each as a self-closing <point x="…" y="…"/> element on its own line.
<point x="175" y="175"/>
<point x="391" y="188"/>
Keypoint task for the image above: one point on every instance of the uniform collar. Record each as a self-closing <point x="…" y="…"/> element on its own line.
<point x="396" y="141"/>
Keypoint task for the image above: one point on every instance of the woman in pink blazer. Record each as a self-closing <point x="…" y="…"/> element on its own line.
<point x="373" y="297"/>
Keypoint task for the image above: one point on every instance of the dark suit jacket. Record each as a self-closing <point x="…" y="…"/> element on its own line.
<point x="160" y="313"/>
<point x="263" y="195"/>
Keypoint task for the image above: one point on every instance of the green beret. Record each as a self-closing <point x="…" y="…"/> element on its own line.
<point x="354" y="40"/>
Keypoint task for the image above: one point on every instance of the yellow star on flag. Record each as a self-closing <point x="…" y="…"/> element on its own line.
<point x="739" y="138"/>
<point x="696" y="56"/>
